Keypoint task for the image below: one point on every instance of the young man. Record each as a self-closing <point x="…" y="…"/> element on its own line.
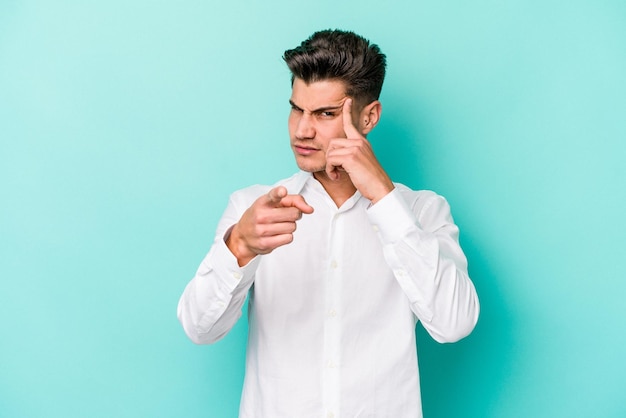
<point x="334" y="303"/>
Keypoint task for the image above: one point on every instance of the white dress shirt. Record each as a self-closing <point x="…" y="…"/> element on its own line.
<point x="332" y="315"/>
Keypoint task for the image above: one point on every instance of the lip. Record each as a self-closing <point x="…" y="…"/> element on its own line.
<point x="304" y="150"/>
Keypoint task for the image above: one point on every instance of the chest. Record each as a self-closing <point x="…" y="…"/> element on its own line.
<point x="333" y="253"/>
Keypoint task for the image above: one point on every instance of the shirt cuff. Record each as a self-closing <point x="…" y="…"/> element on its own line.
<point x="224" y="263"/>
<point x="391" y="217"/>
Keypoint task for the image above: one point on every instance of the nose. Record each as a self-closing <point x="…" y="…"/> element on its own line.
<point x="305" y="128"/>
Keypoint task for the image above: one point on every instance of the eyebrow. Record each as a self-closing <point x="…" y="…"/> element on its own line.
<point x="319" y="110"/>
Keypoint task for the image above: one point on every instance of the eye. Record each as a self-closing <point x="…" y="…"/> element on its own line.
<point x="328" y="114"/>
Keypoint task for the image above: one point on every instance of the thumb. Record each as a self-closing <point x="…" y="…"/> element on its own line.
<point x="296" y="201"/>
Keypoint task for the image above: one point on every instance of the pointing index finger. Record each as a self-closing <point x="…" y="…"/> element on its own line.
<point x="348" y="125"/>
<point x="276" y="194"/>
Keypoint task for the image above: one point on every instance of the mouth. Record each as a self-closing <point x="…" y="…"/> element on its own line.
<point x="304" y="149"/>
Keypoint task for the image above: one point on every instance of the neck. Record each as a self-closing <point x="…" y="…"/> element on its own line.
<point x="339" y="190"/>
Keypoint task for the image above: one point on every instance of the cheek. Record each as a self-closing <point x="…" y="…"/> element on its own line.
<point x="331" y="130"/>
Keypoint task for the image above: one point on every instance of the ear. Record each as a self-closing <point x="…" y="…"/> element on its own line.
<point x="369" y="117"/>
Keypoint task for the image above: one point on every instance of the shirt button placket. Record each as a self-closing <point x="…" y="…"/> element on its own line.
<point x="332" y="329"/>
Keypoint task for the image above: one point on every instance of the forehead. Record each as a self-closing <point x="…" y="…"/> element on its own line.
<point x="318" y="94"/>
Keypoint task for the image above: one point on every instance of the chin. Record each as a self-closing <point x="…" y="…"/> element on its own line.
<point x="310" y="168"/>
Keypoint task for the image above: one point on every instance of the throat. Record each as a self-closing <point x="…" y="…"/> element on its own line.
<point x="339" y="190"/>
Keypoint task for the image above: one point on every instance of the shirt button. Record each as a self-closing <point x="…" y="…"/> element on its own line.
<point x="332" y="313"/>
<point x="330" y="415"/>
<point x="375" y="228"/>
<point x="333" y="264"/>
<point x="237" y="275"/>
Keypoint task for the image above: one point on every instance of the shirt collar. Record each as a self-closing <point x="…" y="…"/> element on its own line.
<point x="303" y="178"/>
<point x="298" y="181"/>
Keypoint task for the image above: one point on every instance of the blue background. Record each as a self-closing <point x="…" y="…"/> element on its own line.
<point x="124" y="126"/>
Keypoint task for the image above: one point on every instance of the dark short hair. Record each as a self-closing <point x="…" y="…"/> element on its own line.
<point x="340" y="55"/>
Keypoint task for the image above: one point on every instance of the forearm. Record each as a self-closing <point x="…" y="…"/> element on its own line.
<point x="212" y="301"/>
<point x="421" y="246"/>
<point x="438" y="287"/>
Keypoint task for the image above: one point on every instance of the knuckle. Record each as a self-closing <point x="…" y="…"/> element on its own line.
<point x="259" y="230"/>
<point x="265" y="246"/>
<point x="295" y="214"/>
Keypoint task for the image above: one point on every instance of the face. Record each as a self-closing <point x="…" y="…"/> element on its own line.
<point x="315" y="119"/>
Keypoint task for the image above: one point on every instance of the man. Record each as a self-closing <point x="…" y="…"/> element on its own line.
<point x="334" y="303"/>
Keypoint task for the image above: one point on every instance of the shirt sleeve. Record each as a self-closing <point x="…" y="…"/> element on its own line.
<point x="212" y="302"/>
<point x="420" y="244"/>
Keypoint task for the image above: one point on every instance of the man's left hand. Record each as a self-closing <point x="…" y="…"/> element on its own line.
<point x="355" y="156"/>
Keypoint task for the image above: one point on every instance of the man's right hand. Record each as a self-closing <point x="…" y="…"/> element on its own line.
<point x="269" y="223"/>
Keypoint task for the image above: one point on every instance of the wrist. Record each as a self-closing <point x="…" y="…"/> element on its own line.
<point x="237" y="246"/>
<point x="382" y="191"/>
